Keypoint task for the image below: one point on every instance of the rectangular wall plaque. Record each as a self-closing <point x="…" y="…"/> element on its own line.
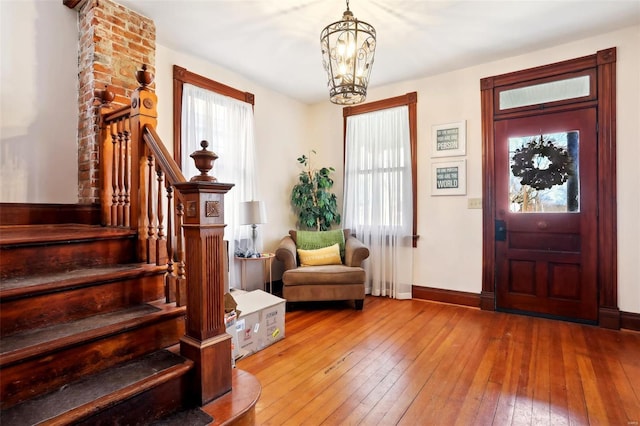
<point x="449" y="177"/>
<point x="449" y="140"/>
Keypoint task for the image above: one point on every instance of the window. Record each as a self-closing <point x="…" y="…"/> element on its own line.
<point x="388" y="161"/>
<point x="377" y="166"/>
<point x="379" y="192"/>
<point x="223" y="116"/>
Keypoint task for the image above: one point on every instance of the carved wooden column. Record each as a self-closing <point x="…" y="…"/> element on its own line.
<point x="206" y="341"/>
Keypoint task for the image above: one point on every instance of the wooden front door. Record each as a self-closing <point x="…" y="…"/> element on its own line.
<point x="546" y="225"/>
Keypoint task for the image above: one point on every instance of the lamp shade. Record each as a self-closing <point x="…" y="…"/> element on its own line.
<point x="252" y="212"/>
<point x="348" y="47"/>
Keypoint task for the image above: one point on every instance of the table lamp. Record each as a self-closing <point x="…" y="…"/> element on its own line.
<point x="252" y="213"/>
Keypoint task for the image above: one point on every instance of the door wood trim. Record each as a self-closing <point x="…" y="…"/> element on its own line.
<point x="607" y="195"/>
<point x="488" y="295"/>
<point x="604" y="62"/>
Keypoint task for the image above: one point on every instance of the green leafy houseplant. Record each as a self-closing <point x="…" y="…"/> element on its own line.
<point x="316" y="205"/>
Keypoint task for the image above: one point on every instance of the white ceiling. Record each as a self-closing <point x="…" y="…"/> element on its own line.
<point x="276" y="43"/>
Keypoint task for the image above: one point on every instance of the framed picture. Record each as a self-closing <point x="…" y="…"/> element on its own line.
<point x="449" y="177"/>
<point x="449" y="140"/>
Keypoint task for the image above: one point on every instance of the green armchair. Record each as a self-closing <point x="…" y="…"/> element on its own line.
<point x="345" y="281"/>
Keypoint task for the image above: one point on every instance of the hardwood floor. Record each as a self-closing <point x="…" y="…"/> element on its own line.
<point x="415" y="362"/>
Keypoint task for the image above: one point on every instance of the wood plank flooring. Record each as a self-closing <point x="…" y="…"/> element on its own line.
<point x="416" y="362"/>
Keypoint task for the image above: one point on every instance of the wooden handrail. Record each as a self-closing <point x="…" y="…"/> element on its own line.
<point x="163" y="159"/>
<point x="123" y="111"/>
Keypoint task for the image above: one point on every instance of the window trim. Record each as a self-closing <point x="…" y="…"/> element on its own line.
<point x="411" y="101"/>
<point x="180" y="77"/>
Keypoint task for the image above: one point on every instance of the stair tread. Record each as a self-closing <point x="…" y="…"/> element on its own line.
<point x="190" y="417"/>
<point x="39" y="336"/>
<point x="30" y="284"/>
<point x="89" y="389"/>
<point x="43" y="234"/>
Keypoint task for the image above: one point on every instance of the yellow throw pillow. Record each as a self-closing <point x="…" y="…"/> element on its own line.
<point x="324" y="256"/>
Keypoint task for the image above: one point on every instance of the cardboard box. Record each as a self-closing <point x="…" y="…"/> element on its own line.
<point x="272" y="323"/>
<point x="261" y="320"/>
<point x="247" y="328"/>
<point x="230" y="319"/>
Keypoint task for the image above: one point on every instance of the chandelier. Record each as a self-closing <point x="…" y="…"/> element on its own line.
<point x="348" y="47"/>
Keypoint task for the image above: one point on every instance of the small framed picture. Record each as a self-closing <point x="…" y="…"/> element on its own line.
<point x="449" y="140"/>
<point x="449" y="177"/>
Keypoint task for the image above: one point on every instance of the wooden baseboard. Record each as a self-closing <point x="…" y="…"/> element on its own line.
<point x="45" y="214"/>
<point x="446" y="296"/>
<point x="630" y="321"/>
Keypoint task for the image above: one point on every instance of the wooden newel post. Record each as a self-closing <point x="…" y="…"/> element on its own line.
<point x="143" y="112"/>
<point x="206" y="341"/>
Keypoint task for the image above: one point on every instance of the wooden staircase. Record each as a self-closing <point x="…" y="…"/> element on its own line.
<point x="86" y="335"/>
<point x="122" y="323"/>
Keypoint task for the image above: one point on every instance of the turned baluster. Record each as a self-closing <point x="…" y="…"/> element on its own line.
<point x="181" y="279"/>
<point x="106" y="154"/>
<point x="127" y="172"/>
<point x="121" y="168"/>
<point x="160" y="237"/>
<point x="169" y="287"/>
<point x="114" y="174"/>
<point x="150" y="216"/>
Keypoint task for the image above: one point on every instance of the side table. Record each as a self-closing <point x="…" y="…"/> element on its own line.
<point x="267" y="259"/>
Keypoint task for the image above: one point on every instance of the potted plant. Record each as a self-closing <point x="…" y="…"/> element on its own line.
<point x="315" y="204"/>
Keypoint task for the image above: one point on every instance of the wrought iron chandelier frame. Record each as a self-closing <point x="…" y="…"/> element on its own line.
<point x="348" y="49"/>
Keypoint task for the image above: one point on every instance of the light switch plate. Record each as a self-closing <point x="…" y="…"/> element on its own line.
<point x="474" y="203"/>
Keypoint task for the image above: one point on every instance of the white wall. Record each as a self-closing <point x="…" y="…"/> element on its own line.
<point x="38" y="102"/>
<point x="449" y="253"/>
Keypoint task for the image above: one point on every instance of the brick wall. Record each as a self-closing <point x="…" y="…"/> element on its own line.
<point x="114" y="43"/>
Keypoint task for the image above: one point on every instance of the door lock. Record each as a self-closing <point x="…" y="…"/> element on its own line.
<point x="501" y="230"/>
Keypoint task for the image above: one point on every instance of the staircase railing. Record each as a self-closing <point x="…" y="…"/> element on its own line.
<point x="179" y="224"/>
<point x="160" y="236"/>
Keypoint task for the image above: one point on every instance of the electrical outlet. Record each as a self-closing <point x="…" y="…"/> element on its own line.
<point x="474" y="203"/>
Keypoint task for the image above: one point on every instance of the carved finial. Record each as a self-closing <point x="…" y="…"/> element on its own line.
<point x="144" y="77"/>
<point x="106" y="96"/>
<point x="204" y="162"/>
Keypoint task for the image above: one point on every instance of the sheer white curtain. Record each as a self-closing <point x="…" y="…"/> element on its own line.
<point x="227" y="124"/>
<point x="378" y="204"/>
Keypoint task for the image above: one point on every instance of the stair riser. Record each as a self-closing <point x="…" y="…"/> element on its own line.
<point x="65" y="256"/>
<point x="40" y="310"/>
<point x="27" y="379"/>
<point x="143" y="408"/>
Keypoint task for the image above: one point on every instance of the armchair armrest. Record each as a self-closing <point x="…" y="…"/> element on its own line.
<point x="355" y="252"/>
<point x="286" y="253"/>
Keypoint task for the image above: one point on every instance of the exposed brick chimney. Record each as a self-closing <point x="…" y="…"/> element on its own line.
<point x="114" y="43"/>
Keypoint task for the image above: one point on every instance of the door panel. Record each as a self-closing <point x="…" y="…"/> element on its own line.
<point x="546" y="198"/>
